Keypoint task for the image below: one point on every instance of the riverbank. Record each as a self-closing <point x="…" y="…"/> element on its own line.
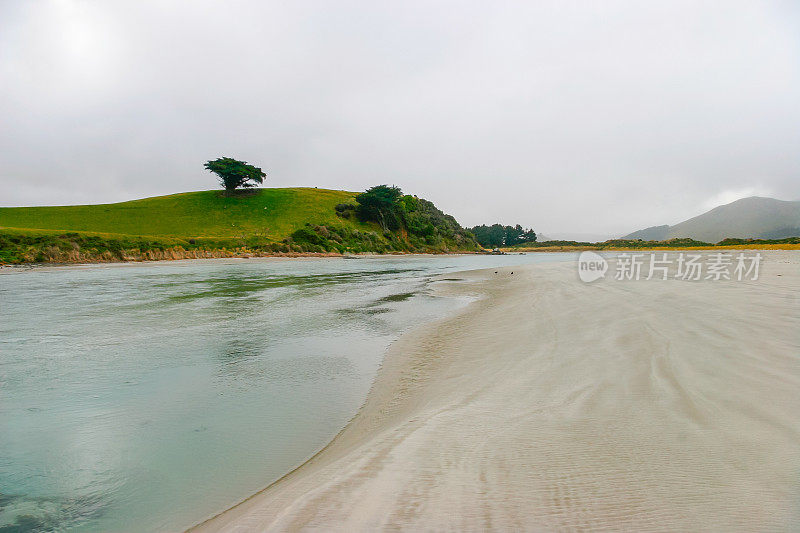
<point x="553" y="404"/>
<point x="74" y="258"/>
<point x="71" y="248"/>
<point x="233" y="259"/>
<point x="11" y="267"/>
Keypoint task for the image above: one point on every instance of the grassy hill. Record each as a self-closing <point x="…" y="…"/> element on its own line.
<point x="209" y="224"/>
<point x="274" y="213"/>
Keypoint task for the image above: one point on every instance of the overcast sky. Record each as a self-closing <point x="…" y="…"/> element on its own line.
<point x="593" y="117"/>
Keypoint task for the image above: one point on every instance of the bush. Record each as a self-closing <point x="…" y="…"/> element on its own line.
<point x="307" y="235"/>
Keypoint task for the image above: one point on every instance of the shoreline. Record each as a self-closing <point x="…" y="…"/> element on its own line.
<point x="480" y="421"/>
<point x="234" y="258"/>
<point x="30" y="265"/>
<point x="393" y="360"/>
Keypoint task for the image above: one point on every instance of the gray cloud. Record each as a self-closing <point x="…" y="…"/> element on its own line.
<point x="566" y="116"/>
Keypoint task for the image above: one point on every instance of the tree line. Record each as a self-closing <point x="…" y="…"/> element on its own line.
<point x="497" y="235"/>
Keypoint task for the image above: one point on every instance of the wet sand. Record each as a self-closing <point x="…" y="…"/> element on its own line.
<point x="551" y="404"/>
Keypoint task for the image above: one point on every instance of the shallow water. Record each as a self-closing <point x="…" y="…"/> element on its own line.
<point x="557" y="405"/>
<point x="148" y="397"/>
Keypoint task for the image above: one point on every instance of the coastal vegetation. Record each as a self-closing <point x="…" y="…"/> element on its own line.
<point x="381" y="204"/>
<point x="639" y="244"/>
<point x="419" y="219"/>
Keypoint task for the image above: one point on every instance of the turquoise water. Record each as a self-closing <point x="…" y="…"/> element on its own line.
<point x="148" y="397"/>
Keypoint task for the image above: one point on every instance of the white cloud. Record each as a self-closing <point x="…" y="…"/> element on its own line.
<point x="581" y="117"/>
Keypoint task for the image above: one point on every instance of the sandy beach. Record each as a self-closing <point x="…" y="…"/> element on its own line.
<point x="551" y="404"/>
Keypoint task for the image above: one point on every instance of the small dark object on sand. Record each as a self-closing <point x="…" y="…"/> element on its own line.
<point x="495" y="271"/>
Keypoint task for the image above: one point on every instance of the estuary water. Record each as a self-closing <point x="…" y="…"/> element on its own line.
<point x="146" y="397"/>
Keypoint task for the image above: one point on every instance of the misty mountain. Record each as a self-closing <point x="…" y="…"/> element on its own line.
<point x="754" y="217"/>
<point x="653" y="233"/>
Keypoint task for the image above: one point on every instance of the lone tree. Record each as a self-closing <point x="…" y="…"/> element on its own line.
<point x="233" y="174"/>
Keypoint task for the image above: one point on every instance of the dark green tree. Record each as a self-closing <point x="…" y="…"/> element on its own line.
<point x="497" y="235"/>
<point x="381" y="204"/>
<point x="528" y="236"/>
<point x="233" y="174"/>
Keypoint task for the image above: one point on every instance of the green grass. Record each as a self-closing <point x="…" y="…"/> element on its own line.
<point x="273" y="214"/>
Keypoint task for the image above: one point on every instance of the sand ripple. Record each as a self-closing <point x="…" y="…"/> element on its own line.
<point x="553" y="405"/>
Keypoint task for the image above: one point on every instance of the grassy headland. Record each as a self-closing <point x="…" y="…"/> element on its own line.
<point x="274" y="212"/>
<point x="216" y="224"/>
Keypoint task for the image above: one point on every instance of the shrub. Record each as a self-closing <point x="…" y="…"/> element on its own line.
<point x="307" y="235"/>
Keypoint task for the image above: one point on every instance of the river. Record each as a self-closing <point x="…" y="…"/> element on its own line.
<point x="147" y="397"/>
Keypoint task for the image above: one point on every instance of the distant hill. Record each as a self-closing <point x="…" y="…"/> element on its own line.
<point x="755" y="217"/>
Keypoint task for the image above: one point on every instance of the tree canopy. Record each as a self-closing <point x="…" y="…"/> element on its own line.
<point x="233" y="174"/>
<point x="498" y="235"/>
<point x="423" y="223"/>
<point x="381" y="204"/>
